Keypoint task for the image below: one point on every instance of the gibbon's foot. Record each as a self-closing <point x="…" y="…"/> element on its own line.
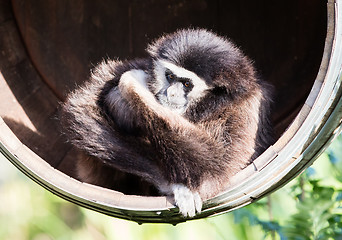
<point x="187" y="201"/>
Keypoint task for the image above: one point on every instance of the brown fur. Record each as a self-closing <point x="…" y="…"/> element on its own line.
<point x="212" y="141"/>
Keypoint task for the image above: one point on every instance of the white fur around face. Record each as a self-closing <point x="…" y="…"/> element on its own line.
<point x="174" y="98"/>
<point x="197" y="92"/>
<point x="187" y="201"/>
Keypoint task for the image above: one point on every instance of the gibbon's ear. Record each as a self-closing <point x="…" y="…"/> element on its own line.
<point x="236" y="81"/>
<point x="230" y="89"/>
<point x="224" y="93"/>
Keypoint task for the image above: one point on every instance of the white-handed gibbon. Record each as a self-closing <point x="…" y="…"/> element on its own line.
<point x="186" y="118"/>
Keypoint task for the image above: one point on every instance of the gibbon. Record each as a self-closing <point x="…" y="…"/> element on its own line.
<point x="185" y="119"/>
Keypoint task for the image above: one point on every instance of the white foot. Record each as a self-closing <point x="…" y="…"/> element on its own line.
<point x="187" y="201"/>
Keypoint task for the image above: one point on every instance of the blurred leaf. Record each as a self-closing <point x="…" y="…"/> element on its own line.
<point x="310" y="172"/>
<point x="333" y="158"/>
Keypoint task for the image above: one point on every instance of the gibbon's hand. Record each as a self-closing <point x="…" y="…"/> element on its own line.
<point x="132" y="84"/>
<point x="126" y="100"/>
<point x="134" y="81"/>
<point x="186" y="118"/>
<point x="188" y="202"/>
<point x="133" y="88"/>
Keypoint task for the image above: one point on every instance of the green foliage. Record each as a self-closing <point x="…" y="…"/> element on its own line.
<point x="319" y="195"/>
<point x="317" y="216"/>
<point x="317" y="212"/>
<point x="310" y="207"/>
<point x="268" y="227"/>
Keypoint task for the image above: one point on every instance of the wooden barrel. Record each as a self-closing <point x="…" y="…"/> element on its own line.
<point x="47" y="48"/>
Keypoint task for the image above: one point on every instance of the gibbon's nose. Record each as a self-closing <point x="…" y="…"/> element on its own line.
<point x="175" y="90"/>
<point x="175" y="94"/>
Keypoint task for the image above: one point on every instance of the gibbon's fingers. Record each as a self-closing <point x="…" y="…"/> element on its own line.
<point x="188" y="202"/>
<point x="186" y="118"/>
<point x="133" y="81"/>
<point x="168" y="130"/>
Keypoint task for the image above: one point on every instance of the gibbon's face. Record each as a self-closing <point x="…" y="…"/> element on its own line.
<point x="176" y="87"/>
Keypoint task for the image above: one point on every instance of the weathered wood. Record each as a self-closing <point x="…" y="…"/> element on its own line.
<point x="66" y="38"/>
<point x="27" y="104"/>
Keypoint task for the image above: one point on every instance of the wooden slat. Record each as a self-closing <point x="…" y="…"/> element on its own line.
<point x="27" y="104"/>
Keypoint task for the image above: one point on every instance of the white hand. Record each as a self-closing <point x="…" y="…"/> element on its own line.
<point x="187" y="201"/>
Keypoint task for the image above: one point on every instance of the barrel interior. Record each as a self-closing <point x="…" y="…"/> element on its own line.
<point x="48" y="48"/>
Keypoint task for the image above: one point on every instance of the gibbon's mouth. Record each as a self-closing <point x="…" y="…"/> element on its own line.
<point x="171" y="102"/>
<point x="172" y="105"/>
<point x="176" y="104"/>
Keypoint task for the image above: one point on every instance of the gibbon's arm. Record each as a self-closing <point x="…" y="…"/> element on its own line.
<point x="194" y="158"/>
<point x="88" y="130"/>
<point x="186" y="146"/>
<point x="188" y="154"/>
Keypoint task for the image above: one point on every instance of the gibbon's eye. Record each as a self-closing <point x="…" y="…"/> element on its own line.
<point x="169" y="76"/>
<point x="187" y="84"/>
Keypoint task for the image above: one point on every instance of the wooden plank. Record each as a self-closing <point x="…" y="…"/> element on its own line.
<point x="286" y="41"/>
<point x="4" y="13"/>
<point x="26" y="104"/>
<point x="66" y="38"/>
